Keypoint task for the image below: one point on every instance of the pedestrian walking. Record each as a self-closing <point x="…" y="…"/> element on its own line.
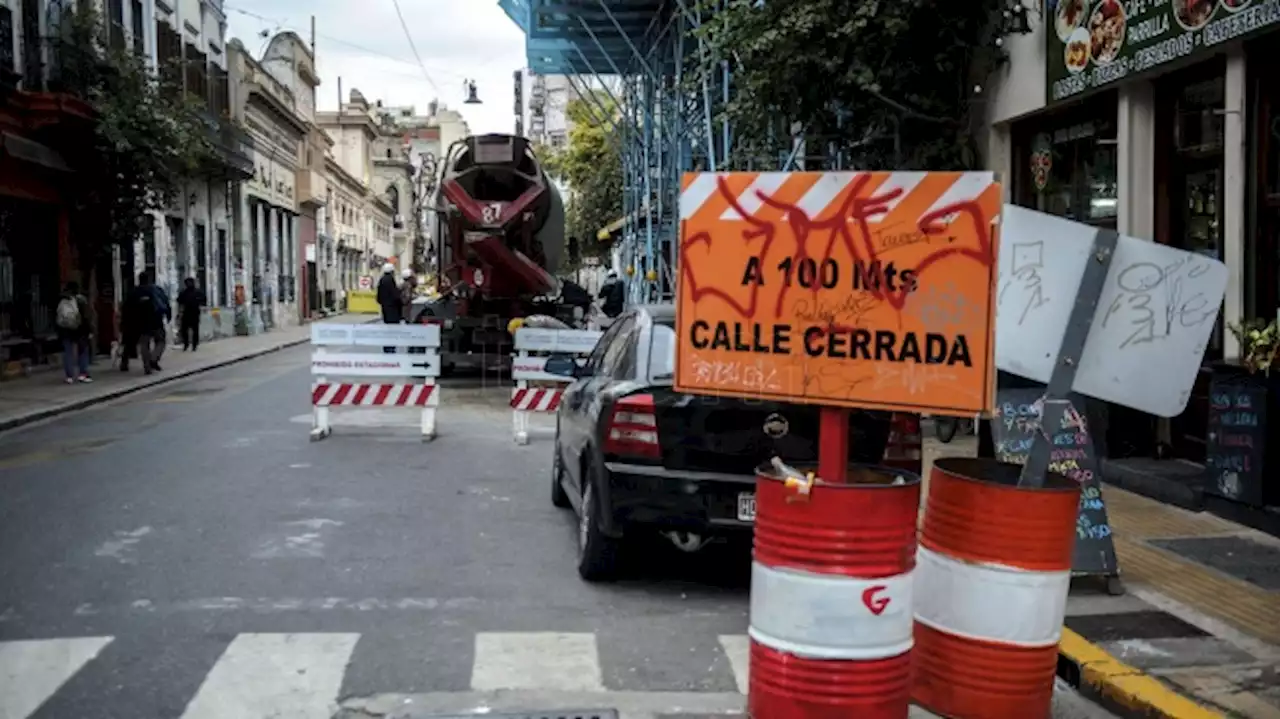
<point x="190" y="301"/>
<point x="614" y="296"/>
<point x="389" y="300"/>
<point x="146" y="312"/>
<point x="75" y="328"/>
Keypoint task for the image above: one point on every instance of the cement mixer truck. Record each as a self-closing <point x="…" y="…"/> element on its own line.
<point x="501" y="241"/>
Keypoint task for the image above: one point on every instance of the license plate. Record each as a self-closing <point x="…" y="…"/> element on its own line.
<point x="747" y="507"/>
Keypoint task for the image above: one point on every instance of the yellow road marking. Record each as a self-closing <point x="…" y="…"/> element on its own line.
<point x="1126" y="685"/>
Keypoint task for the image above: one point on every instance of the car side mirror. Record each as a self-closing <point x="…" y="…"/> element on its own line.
<point x="564" y="365"/>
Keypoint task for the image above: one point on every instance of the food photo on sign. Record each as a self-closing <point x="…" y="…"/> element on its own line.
<point x="852" y="289"/>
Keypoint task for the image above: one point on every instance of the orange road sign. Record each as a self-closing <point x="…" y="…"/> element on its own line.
<point x="854" y="289"/>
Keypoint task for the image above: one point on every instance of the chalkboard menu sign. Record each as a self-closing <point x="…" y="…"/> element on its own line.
<point x="1237" y="442"/>
<point x="1014" y="428"/>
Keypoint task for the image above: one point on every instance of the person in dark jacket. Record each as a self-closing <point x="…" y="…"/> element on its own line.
<point x="146" y="311"/>
<point x="614" y="294"/>
<point x="75" y="328"/>
<point x="190" y="301"/>
<point x="389" y="299"/>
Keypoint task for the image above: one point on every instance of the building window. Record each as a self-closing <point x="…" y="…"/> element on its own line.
<point x="139" y="37"/>
<point x="8" y="62"/>
<point x="201" y="258"/>
<point x="1065" y="163"/>
<point x="115" y="22"/>
<point x="224" y="288"/>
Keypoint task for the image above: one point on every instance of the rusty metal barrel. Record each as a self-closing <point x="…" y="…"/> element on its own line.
<point x="831" y="596"/>
<point x="991" y="590"/>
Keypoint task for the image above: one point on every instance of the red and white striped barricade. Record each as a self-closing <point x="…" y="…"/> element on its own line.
<point x="533" y="346"/>
<point x="991" y="590"/>
<point x="831" y="596"/>
<point x="371" y="378"/>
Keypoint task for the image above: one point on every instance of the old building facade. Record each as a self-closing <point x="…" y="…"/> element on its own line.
<point x="268" y="252"/>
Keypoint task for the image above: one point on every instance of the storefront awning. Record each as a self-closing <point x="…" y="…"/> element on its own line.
<point x="31" y="151"/>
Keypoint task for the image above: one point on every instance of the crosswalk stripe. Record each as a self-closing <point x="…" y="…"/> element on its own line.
<point x="283" y="676"/>
<point x="536" y="660"/>
<point x="31" y="671"/>
<point x="737" y="649"/>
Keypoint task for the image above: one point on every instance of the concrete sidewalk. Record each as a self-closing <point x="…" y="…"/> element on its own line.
<point x="1197" y="633"/>
<point x="46" y="394"/>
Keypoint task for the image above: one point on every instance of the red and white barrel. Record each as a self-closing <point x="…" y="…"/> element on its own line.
<point x="831" y="597"/>
<point x="991" y="590"/>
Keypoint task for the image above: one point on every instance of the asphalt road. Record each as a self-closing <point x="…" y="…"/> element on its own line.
<point x="188" y="552"/>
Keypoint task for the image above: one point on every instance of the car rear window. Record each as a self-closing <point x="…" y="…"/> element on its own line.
<point x="662" y="353"/>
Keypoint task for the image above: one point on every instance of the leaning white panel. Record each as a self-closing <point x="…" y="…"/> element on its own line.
<point x="283" y="676"/>
<point x="547" y="661"/>
<point x="31" y="671"/>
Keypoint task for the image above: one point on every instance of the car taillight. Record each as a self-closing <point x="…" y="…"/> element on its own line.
<point x="432" y="321"/>
<point x="633" y="428"/>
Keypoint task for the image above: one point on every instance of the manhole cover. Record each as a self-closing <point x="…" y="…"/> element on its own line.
<point x="1244" y="559"/>
<point x="559" y="714"/>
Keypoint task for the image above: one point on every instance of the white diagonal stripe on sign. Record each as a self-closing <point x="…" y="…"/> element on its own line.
<point x="31" y="671"/>
<point x="905" y="181"/>
<point x="767" y="183"/>
<point x="697" y="194"/>
<point x="968" y="187"/>
<point x="283" y="676"/>
<point x="371" y="392"/>
<point x="824" y="191"/>
<point x="540" y="661"/>
<point x="329" y="393"/>
<point x="547" y="399"/>
<point x="401" y="394"/>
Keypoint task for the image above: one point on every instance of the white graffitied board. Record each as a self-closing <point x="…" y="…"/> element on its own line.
<point x="1152" y="325"/>
<point x="376" y="365"/>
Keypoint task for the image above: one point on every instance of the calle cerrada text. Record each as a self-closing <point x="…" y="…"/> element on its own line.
<point x="843" y="338"/>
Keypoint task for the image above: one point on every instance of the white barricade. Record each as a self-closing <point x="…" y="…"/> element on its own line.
<point x="407" y="378"/>
<point x="533" y="346"/>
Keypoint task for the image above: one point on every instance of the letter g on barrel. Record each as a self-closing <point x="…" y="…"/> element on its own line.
<point x="876" y="603"/>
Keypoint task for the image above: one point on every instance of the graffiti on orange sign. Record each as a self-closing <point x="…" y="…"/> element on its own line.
<point x="857" y="289"/>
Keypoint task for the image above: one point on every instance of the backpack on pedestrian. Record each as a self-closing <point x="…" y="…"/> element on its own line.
<point x="68" y="314"/>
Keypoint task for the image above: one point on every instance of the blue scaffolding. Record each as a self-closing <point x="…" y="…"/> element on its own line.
<point x="636" y="52"/>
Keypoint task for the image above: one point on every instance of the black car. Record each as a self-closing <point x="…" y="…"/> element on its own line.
<point x="633" y="455"/>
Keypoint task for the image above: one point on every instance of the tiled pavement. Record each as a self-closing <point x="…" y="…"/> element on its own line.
<point x="44" y="394"/>
<point x="1202" y="608"/>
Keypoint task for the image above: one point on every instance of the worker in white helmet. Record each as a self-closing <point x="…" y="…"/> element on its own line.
<point x="408" y="289"/>
<point x="389" y="300"/>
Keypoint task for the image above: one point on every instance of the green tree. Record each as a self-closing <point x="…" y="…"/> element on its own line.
<point x="149" y="136"/>
<point x="591" y="164"/>
<point x="891" y="85"/>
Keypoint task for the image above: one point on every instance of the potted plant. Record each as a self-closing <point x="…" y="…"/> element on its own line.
<point x="1244" y="394"/>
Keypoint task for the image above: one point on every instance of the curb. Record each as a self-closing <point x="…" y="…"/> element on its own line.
<point x="1120" y="688"/>
<point x="14" y="423"/>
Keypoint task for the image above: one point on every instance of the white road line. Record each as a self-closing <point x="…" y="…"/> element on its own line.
<point x="32" y="671"/>
<point x="283" y="676"/>
<point x="737" y="647"/>
<point x="536" y="660"/>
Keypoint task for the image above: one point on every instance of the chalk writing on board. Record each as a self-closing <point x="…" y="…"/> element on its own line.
<point x="1235" y="447"/>
<point x="1157" y="301"/>
<point x="1017" y="424"/>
